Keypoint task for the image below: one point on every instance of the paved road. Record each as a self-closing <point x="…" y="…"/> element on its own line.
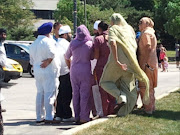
<point x="20" y="105"/>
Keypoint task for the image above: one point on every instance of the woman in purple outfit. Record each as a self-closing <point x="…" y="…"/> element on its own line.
<point x="80" y="73"/>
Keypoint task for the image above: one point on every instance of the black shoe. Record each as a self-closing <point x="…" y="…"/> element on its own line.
<point x="3" y="110"/>
<point x="117" y="107"/>
<point x="41" y="121"/>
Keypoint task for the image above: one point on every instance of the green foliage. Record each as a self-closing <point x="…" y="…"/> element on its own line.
<point x="15" y="16"/>
<point x="172" y="12"/>
<point x="94" y="14"/>
<point x="22" y="33"/>
<point x="108" y="4"/>
<point x="143" y="4"/>
<point x="165" y="14"/>
<point x="64" y="14"/>
<point x="65" y="11"/>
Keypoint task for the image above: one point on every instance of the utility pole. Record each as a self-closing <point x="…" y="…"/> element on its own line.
<point x="75" y="17"/>
<point x="85" y="16"/>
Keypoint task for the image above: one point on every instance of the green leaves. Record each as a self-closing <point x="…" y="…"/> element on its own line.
<point x="15" y="15"/>
<point x="172" y="12"/>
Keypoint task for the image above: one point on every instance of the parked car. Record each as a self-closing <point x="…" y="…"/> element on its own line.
<point x="12" y="70"/>
<point x="20" y="53"/>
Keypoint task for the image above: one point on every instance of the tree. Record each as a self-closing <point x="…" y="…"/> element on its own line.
<point x="108" y="4"/>
<point x="163" y="20"/>
<point x="172" y="11"/>
<point x="143" y="4"/>
<point x="64" y="14"/>
<point x="15" y="16"/>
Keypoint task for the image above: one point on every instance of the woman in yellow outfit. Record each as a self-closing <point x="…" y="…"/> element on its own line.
<point x="119" y="74"/>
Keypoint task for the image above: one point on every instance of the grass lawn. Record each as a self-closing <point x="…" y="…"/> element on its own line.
<point x="171" y="53"/>
<point x="165" y="121"/>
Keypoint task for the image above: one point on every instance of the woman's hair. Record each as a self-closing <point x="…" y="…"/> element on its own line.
<point x="104" y="26"/>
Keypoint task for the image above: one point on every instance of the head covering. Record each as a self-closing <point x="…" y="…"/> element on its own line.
<point x="64" y="29"/>
<point x="138" y="34"/>
<point x="2" y="30"/>
<point x="46" y="28"/>
<point x="117" y="19"/>
<point x="82" y="36"/>
<point x="148" y="21"/>
<point x="96" y="24"/>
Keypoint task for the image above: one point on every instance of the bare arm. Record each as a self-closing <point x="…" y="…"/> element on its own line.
<point x="115" y="55"/>
<point x="46" y="62"/>
<point x="68" y="62"/>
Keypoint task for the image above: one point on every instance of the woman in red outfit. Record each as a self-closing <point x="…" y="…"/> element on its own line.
<point x="162" y="56"/>
<point x="101" y="54"/>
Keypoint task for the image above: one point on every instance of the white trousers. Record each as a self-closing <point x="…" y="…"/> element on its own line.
<point x="46" y="95"/>
<point x="97" y="100"/>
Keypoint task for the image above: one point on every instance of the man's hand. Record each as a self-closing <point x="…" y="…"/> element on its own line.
<point x="46" y="62"/>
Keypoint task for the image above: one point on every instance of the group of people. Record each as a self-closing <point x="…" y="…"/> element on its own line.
<point x="98" y="73"/>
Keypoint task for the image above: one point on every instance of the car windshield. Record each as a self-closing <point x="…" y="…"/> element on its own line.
<point x="25" y="47"/>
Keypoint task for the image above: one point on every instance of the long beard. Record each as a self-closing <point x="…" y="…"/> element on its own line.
<point x="68" y="38"/>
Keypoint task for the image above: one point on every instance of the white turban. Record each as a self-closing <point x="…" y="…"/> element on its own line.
<point x="96" y="24"/>
<point x="64" y="29"/>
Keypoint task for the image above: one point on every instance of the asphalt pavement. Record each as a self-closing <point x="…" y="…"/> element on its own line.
<point x="20" y="104"/>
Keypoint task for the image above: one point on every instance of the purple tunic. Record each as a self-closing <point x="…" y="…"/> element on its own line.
<point x="80" y="72"/>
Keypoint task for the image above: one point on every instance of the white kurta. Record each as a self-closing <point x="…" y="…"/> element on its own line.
<point x="46" y="78"/>
<point x="3" y="62"/>
<point x="62" y="47"/>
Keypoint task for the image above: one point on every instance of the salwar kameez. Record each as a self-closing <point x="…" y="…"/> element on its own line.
<point x="149" y="64"/>
<point x="108" y="101"/>
<point x="117" y="82"/>
<point x="80" y="73"/>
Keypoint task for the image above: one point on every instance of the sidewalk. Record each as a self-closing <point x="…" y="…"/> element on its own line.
<point x="20" y="105"/>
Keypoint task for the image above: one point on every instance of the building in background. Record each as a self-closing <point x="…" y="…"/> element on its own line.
<point x="43" y="10"/>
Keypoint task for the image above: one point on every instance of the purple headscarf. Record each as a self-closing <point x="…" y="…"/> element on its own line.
<point x="82" y="36"/>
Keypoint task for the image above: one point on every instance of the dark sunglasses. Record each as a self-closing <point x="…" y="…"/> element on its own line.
<point x="140" y="22"/>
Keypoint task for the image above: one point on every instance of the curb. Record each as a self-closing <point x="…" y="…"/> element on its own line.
<point x="86" y="125"/>
<point x="167" y="93"/>
<point x="81" y="127"/>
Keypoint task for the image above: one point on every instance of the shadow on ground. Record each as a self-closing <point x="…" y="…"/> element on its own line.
<point x="32" y="122"/>
<point x="161" y="114"/>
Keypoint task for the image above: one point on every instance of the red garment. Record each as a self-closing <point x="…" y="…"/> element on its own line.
<point x="108" y="101"/>
<point x="162" y="55"/>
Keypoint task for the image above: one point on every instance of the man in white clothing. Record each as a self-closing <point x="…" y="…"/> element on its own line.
<point x="2" y="64"/>
<point x="46" y="72"/>
<point x="63" y="109"/>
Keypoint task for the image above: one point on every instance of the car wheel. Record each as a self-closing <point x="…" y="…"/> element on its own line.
<point x="31" y="71"/>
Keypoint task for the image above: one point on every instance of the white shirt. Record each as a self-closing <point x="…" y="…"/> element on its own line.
<point x="2" y="54"/>
<point x="41" y="49"/>
<point x="62" y="47"/>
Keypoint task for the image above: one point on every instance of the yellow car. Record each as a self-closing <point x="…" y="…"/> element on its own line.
<point x="12" y="70"/>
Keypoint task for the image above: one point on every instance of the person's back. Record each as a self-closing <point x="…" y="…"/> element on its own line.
<point x="42" y="49"/>
<point x="103" y="50"/>
<point x="62" y="46"/>
<point x="82" y="54"/>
